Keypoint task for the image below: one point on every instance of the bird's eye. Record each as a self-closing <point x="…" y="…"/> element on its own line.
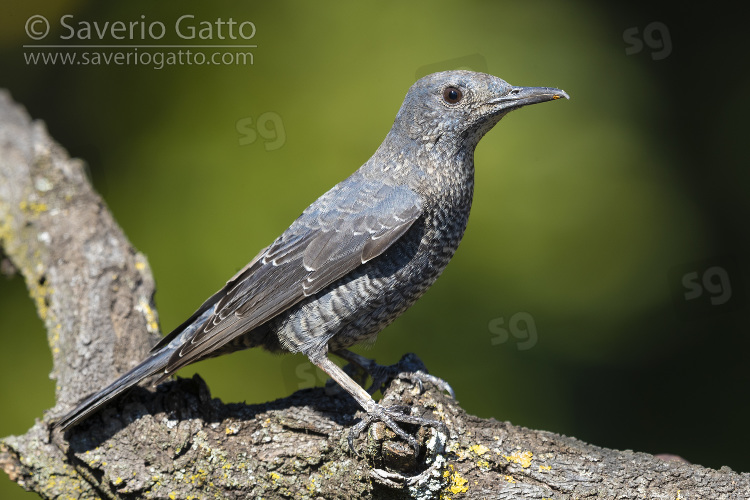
<point x="452" y="95"/>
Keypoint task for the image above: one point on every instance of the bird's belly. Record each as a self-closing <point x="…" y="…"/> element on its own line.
<point x="357" y="307"/>
<point x="348" y="313"/>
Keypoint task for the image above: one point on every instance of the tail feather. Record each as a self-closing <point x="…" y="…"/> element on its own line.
<point x="152" y="365"/>
<point x="157" y="362"/>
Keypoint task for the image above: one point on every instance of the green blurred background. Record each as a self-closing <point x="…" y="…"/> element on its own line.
<point x="565" y="306"/>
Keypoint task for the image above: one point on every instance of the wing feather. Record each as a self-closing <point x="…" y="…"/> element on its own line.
<point x="351" y="224"/>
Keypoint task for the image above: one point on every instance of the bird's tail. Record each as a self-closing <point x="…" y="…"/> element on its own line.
<point x="150" y="366"/>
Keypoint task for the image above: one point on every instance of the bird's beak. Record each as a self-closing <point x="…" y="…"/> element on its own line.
<point x="522" y="96"/>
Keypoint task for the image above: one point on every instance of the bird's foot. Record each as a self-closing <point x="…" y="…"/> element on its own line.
<point x="390" y="415"/>
<point x="393" y="463"/>
<point x="393" y="454"/>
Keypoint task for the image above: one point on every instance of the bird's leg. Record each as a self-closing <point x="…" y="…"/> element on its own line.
<point x="389" y="415"/>
<point x="408" y="368"/>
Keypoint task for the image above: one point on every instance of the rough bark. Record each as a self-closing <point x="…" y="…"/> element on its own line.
<point x="94" y="292"/>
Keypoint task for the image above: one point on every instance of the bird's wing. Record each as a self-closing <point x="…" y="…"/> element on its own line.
<point x="349" y="225"/>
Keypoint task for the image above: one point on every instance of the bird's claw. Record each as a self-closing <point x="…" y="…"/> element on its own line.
<point x="389" y="415"/>
<point x="419" y="377"/>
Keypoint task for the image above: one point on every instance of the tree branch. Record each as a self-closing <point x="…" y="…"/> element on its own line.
<point x="94" y="292"/>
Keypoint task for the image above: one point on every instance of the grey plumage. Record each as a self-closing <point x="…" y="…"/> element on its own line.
<point x="362" y="253"/>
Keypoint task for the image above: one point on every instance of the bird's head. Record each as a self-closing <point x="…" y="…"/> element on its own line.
<point x="454" y="109"/>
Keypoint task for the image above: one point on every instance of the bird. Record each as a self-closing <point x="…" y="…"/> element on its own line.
<point x="358" y="256"/>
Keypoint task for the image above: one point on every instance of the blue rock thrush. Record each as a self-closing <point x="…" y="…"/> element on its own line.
<point x="360" y="255"/>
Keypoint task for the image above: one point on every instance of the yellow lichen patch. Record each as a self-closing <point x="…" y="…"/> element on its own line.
<point x="33" y="207"/>
<point x="545" y="467"/>
<point x="458" y="484"/>
<point x="40" y="294"/>
<point x="200" y="478"/>
<point x="226" y="467"/>
<point x="479" y="449"/>
<point x="117" y="481"/>
<point x="510" y="479"/>
<point x="483" y="464"/>
<point x="54" y="338"/>
<point x="274" y="477"/>
<point x="144" y="307"/>
<point x="522" y="458"/>
<point x="328" y="469"/>
<point x="140" y="265"/>
<point x="173" y="495"/>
